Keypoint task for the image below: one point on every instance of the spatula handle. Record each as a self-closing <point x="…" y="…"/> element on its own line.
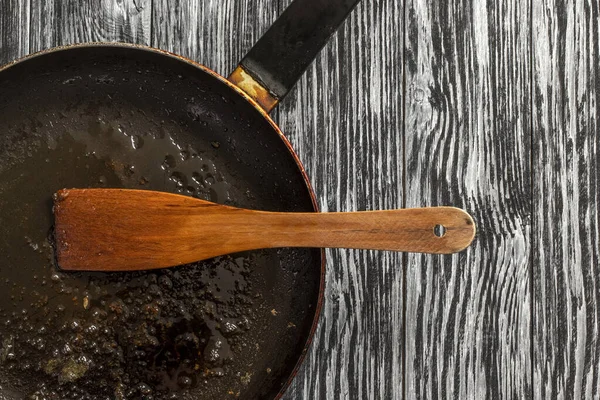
<point x="440" y="230"/>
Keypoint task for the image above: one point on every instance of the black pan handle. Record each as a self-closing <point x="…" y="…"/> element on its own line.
<point x="274" y="65"/>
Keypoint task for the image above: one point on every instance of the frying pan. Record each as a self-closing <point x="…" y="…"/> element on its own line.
<point x="117" y="115"/>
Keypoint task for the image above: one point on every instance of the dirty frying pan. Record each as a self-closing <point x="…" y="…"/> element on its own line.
<point x="125" y="116"/>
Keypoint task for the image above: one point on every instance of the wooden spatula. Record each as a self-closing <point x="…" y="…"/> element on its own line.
<point x="126" y="230"/>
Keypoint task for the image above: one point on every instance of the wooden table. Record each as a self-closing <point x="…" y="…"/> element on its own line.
<point x="490" y="106"/>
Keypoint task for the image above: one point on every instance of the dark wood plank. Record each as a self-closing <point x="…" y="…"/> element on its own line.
<point x="468" y="144"/>
<point x="61" y="22"/>
<point x="14" y="29"/>
<point x="566" y="74"/>
<point x="216" y="33"/>
<point x="345" y="120"/>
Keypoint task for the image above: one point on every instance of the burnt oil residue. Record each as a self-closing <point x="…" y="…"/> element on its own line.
<point x="115" y="334"/>
<point x="230" y="327"/>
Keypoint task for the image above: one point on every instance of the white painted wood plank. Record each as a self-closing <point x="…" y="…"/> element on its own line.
<point x="14" y="29"/>
<point x="468" y="144"/>
<point x="566" y="74"/>
<point x="62" y="22"/>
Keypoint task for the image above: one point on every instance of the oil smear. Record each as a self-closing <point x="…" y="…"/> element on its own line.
<point x="182" y="168"/>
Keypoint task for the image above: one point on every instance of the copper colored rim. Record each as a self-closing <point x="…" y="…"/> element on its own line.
<point x="287" y="143"/>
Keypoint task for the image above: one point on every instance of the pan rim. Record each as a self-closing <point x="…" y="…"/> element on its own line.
<point x="241" y="93"/>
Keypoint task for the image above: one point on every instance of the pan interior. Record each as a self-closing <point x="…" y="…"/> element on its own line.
<point x="124" y="117"/>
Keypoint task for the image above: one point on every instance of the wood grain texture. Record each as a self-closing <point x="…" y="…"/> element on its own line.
<point x="216" y="33"/>
<point x="345" y="120"/>
<point x="467" y="144"/>
<point x="14" y="29"/>
<point x="566" y="75"/>
<point x="63" y="22"/>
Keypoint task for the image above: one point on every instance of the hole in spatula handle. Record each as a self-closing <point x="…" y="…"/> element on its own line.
<point x="439" y="230"/>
